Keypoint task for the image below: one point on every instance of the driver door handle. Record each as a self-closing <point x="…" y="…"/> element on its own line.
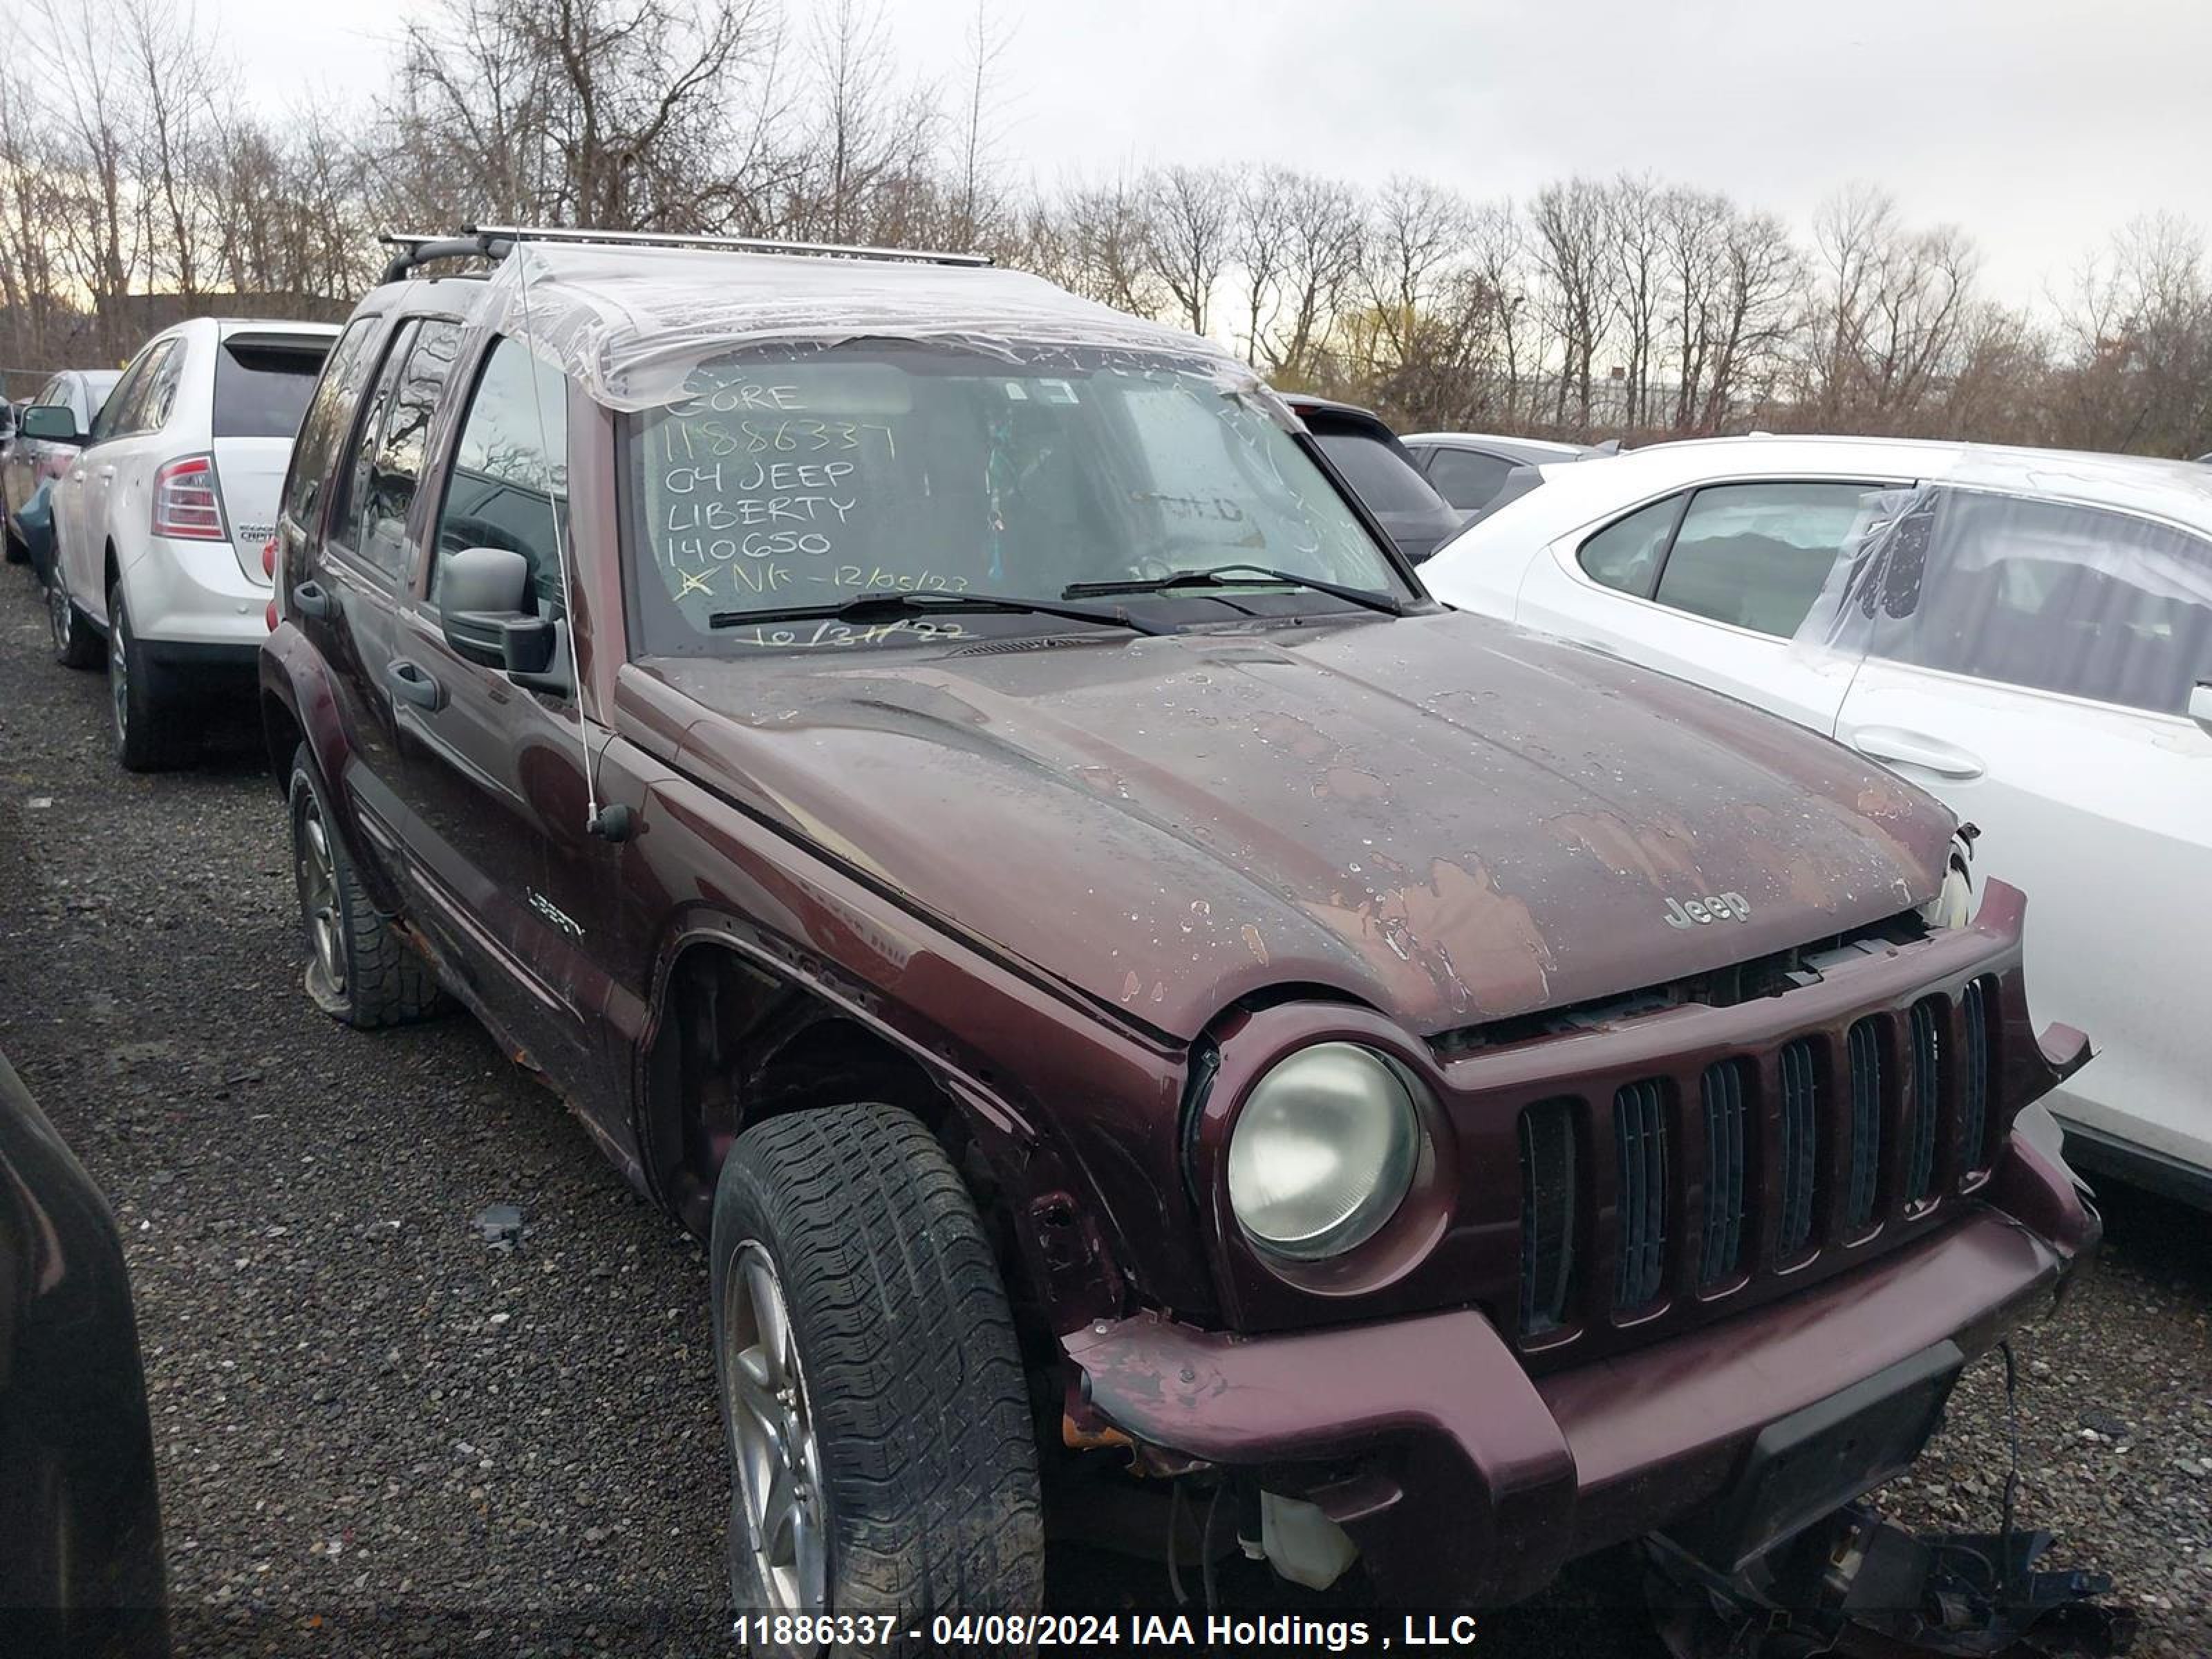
<point x="410" y="680"/>
<point x="313" y="600"/>
<point x="1895" y="747"/>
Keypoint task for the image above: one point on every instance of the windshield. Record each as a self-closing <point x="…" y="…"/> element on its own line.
<point x="809" y="477"/>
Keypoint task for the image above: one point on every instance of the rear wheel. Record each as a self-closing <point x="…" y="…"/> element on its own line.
<point x="872" y="1396"/>
<point x="148" y="737"/>
<point x="75" y="645"/>
<point x="359" y="969"/>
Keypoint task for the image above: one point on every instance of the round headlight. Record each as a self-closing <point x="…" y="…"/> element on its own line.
<point x="1323" y="1151"/>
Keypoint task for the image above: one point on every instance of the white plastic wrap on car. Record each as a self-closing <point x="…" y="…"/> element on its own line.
<point x="633" y="324"/>
<point x="2003" y="572"/>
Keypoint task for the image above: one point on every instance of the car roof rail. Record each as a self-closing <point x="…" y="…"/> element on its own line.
<point x="495" y="241"/>
<point x="742" y="244"/>
<point x="415" y="251"/>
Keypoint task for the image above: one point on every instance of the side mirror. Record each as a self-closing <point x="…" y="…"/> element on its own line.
<point x="55" y="423"/>
<point x="2200" y="703"/>
<point x="480" y="595"/>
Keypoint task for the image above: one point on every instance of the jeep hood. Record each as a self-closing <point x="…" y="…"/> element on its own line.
<point x="1440" y="816"/>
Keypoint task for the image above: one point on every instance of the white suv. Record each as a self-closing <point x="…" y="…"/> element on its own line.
<point x="159" y="523"/>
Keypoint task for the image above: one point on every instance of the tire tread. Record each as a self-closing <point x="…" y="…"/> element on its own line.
<point x="910" y="1358"/>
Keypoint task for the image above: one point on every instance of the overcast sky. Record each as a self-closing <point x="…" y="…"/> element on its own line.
<point x="2040" y="125"/>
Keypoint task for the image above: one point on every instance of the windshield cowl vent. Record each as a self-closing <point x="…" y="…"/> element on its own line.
<point x="1047" y="642"/>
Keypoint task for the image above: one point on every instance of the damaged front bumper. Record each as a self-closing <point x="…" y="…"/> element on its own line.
<point x="1464" y="1479"/>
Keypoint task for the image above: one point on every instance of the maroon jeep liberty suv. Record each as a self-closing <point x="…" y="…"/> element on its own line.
<point x="953" y="790"/>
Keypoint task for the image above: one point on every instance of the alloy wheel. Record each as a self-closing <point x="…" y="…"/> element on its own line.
<point x="780" y="1517"/>
<point x="119" y="672"/>
<point x="318" y="897"/>
<point x="61" y="615"/>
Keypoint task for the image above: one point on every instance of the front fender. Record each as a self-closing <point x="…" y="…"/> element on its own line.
<point x="299" y="704"/>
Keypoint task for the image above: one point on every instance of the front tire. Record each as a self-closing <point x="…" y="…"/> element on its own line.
<point x="75" y="645"/>
<point x="142" y="696"/>
<point x="873" y="1403"/>
<point x="359" y="969"/>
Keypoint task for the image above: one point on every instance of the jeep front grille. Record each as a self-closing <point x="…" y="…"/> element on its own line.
<point x="1639" y="1126"/>
<point x="1925" y="1104"/>
<point x="1819" y="1142"/>
<point x="1865" y="1165"/>
<point x="1722" y="1090"/>
<point x="1548" y="1214"/>
<point x="1975" y="1112"/>
<point x="1801" y="1144"/>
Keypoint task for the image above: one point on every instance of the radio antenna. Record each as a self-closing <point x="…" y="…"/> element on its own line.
<point x="610" y="823"/>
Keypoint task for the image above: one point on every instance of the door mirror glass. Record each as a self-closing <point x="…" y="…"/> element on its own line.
<point x="55" y="423"/>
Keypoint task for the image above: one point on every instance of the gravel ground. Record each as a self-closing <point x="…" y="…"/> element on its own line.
<point x="376" y="1434"/>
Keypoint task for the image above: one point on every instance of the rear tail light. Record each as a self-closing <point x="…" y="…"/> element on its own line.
<point x="268" y="558"/>
<point x="185" y="502"/>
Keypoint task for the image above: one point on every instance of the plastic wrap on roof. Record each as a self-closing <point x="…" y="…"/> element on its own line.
<point x="632" y="325"/>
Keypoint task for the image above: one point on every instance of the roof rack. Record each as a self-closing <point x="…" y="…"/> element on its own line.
<point x="495" y="241"/>
<point x="415" y="251"/>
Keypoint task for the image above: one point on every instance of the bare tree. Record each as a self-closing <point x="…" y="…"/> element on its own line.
<point x="1693" y="229"/>
<point x="1192" y="213"/>
<point x="1635" y="283"/>
<point x="975" y="206"/>
<point x="172" y="81"/>
<point x="1759" y="277"/>
<point x="32" y="277"/>
<point x="1100" y="241"/>
<point x="621" y="114"/>
<point x="2138" y="330"/>
<point x="1499" y="256"/>
<point x="1569" y="221"/>
<point x="1892" y="308"/>
<point x="99" y="241"/>
<point x="1322" y="247"/>
<point x="1415" y="231"/>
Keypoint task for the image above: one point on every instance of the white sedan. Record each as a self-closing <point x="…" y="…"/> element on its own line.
<point x="2027" y="633"/>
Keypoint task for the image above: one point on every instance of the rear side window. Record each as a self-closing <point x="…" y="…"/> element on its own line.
<point x="2045" y="595"/>
<point x="263" y="383"/>
<point x="1469" y="480"/>
<point x="330" y="412"/>
<point x="508" y="485"/>
<point x="391" y="466"/>
<point x="124" y="411"/>
<point x="162" y="380"/>
<point x="1755" y="555"/>
<point x="1626" y="553"/>
<point x="1378" y="474"/>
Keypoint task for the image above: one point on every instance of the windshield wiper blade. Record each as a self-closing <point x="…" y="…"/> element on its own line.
<point x="876" y="607"/>
<point x="1239" y="575"/>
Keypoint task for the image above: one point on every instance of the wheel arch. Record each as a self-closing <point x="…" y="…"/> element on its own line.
<point x="733" y="1042"/>
<point x="299" y="705"/>
<point x="736" y="1037"/>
